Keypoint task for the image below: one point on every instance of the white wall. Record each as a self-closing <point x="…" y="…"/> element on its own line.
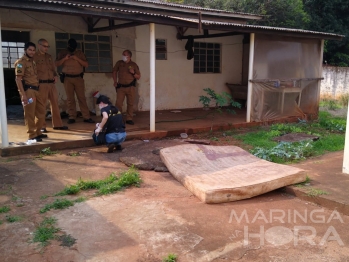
<point x="176" y="84"/>
<point x="336" y="81"/>
<point x="45" y="26"/>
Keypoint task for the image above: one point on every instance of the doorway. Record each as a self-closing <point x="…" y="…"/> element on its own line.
<point x="12" y="48"/>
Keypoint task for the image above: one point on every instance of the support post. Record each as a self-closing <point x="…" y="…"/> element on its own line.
<point x="3" y="115"/>
<point x="250" y="77"/>
<point x="152" y="76"/>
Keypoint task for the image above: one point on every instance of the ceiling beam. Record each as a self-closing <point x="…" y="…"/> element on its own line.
<point x="115" y="27"/>
<point x="207" y="35"/>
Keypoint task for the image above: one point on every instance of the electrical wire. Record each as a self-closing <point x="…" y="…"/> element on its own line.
<point x="43" y="22"/>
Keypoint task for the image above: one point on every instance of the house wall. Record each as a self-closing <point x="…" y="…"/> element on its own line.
<point x="336" y="81"/>
<point x="176" y="84"/>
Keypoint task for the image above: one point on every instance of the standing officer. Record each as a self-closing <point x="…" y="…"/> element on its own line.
<point x="73" y="62"/>
<point x="28" y="87"/>
<point x="47" y="78"/>
<point x="125" y="74"/>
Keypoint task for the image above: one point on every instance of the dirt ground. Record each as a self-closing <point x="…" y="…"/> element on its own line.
<point x="161" y="217"/>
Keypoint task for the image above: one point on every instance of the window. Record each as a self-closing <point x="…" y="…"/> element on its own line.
<point x="11" y="51"/>
<point x="207" y="57"/>
<point x="161" y="49"/>
<point x="97" y="49"/>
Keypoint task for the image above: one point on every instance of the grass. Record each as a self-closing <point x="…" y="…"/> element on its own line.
<point x="4" y="209"/>
<point x="74" y="154"/>
<point x="61" y="204"/>
<point x="44" y="197"/>
<point x="106" y="186"/>
<point x="47" y="152"/>
<point x="46" y="231"/>
<point x="303" y="184"/>
<point x="329" y="129"/>
<point x="12" y="219"/>
<point x="313" y="192"/>
<point x="170" y="258"/>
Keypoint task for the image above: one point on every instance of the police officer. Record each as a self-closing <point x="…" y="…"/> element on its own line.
<point x="28" y="88"/>
<point x="73" y="62"/>
<point x="125" y="74"/>
<point x="47" y="78"/>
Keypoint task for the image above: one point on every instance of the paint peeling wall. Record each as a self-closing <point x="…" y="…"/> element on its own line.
<point x="336" y="81"/>
<point x="176" y="85"/>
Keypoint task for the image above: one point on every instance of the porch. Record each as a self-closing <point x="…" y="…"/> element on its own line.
<point x="168" y="123"/>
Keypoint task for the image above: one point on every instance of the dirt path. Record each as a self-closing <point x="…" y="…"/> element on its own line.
<point x="160" y="217"/>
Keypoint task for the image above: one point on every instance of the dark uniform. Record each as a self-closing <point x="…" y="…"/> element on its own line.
<point x="74" y="83"/>
<point x="26" y="68"/>
<point x="125" y="78"/>
<point x="46" y="73"/>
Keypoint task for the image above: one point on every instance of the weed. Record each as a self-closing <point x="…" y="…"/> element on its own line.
<point x="47" y="152"/>
<point x="80" y="199"/>
<point x="214" y="138"/>
<point x="344" y="99"/>
<point x="219" y="101"/>
<point x="285" y="152"/>
<point x="4" y="209"/>
<point x="19" y="205"/>
<point x="108" y="185"/>
<point x="74" y="154"/>
<point x="1" y="222"/>
<point x="302" y="184"/>
<point x="69" y="190"/>
<point x="170" y="258"/>
<point x="46" y="231"/>
<point x="61" y="204"/>
<point x="16" y="198"/>
<point x="313" y="192"/>
<point x="57" y="204"/>
<point x="13" y="219"/>
<point x="67" y="240"/>
<point x="44" y="197"/>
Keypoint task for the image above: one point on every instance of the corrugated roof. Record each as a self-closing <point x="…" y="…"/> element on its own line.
<point x="198" y="8"/>
<point x="269" y="28"/>
<point x="213" y="25"/>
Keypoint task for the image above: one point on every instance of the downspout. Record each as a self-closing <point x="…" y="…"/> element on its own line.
<point x="152" y="76"/>
<point x="346" y="147"/>
<point x="250" y="77"/>
<point x="3" y="115"/>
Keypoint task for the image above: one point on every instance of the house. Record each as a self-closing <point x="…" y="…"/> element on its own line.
<point x="278" y="70"/>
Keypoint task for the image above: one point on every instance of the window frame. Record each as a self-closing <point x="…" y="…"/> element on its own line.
<point x="158" y="48"/>
<point x="207" y="58"/>
<point x="85" y="44"/>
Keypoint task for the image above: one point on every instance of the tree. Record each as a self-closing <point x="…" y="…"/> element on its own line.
<point x="331" y="16"/>
<point x="281" y="13"/>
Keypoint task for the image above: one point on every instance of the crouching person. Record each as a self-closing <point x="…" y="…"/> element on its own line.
<point x="112" y="124"/>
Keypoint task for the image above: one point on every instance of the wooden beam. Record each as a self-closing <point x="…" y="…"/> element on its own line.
<point x="207" y="35"/>
<point x="114" y="27"/>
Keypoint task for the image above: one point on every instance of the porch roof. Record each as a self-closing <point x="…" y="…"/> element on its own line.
<point x="145" y="11"/>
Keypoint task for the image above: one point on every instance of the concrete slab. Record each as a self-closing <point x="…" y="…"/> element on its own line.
<point x="217" y="174"/>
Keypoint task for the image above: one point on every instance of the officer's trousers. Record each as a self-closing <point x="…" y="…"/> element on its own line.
<point x="34" y="113"/>
<point x="129" y="92"/>
<point x="76" y="85"/>
<point x="49" y="92"/>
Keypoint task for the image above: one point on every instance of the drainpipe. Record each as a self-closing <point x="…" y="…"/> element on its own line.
<point x="346" y="147"/>
<point x="3" y="115"/>
<point x="152" y="76"/>
<point x="250" y="77"/>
